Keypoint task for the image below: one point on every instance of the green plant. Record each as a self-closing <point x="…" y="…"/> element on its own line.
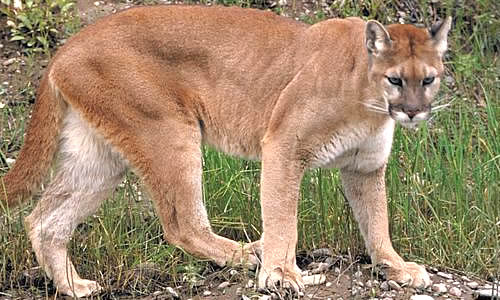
<point x="39" y="24"/>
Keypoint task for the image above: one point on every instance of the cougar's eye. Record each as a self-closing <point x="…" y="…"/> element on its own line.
<point x="395" y="81"/>
<point x="427" y="80"/>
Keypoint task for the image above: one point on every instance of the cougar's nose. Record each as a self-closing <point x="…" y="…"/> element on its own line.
<point x="411" y="111"/>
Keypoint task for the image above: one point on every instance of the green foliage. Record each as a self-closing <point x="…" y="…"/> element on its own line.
<point x="39" y="24"/>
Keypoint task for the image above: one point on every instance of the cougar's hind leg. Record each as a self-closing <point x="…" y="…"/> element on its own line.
<point x="173" y="173"/>
<point x="87" y="170"/>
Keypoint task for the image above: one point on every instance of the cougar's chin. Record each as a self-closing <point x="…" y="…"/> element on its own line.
<point x="409" y="122"/>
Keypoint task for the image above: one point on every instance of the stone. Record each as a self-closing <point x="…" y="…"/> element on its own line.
<point x="249" y="284"/>
<point x="233" y="272"/>
<point x="421" y="297"/>
<point x="328" y="284"/>
<point x="9" y="61"/>
<point x="445" y="275"/>
<point x="465" y="278"/>
<point x="472" y="284"/>
<point x="439" y="288"/>
<point x="314" y="279"/>
<point x="223" y="285"/>
<point x="172" y="292"/>
<point x="320" y="268"/>
<point x="384" y="286"/>
<point x="454" y="291"/>
<point x="394" y="285"/>
<point x="207" y="293"/>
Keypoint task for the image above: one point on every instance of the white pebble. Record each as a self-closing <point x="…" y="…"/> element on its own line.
<point x="249" y="284"/>
<point x="207" y="293"/>
<point x="445" y="275"/>
<point x="473" y="285"/>
<point x="421" y="297"/>
<point x="439" y="288"/>
<point x="314" y="279"/>
<point x="172" y="292"/>
<point x="454" y="291"/>
<point x="328" y="284"/>
<point x="223" y="285"/>
<point x="394" y="285"/>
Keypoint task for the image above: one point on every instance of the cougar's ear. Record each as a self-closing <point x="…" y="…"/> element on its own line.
<point x="439" y="33"/>
<point x="377" y="38"/>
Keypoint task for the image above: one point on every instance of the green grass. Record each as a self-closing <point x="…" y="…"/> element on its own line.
<point x="442" y="181"/>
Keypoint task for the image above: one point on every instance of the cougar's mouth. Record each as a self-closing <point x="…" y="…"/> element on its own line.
<point x="407" y="116"/>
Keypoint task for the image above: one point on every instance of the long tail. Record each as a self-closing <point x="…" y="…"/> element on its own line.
<point x="39" y="149"/>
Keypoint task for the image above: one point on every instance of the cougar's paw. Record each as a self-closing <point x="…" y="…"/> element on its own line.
<point x="409" y="273"/>
<point x="80" y="288"/>
<point x="276" y="277"/>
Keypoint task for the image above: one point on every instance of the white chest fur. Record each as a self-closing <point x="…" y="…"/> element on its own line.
<point x="359" y="148"/>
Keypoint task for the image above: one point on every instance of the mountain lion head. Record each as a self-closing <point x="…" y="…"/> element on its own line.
<point x="406" y="64"/>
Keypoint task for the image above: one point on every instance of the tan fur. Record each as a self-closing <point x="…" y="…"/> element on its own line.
<point x="145" y="88"/>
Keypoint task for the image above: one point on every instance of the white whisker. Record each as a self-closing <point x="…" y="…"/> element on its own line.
<point x="440" y="107"/>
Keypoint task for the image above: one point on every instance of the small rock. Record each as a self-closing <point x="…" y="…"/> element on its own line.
<point x="207" y="293"/>
<point x="454" y="291"/>
<point x="320" y="268"/>
<point x="445" y="275"/>
<point x="473" y="285"/>
<point x="314" y="279"/>
<point x="384" y="286"/>
<point x="223" y="285"/>
<point x="433" y="269"/>
<point x="369" y="284"/>
<point x="439" y="288"/>
<point x="328" y="284"/>
<point x="233" y="272"/>
<point x="249" y="284"/>
<point x="172" y="292"/>
<point x="9" y="61"/>
<point x="321" y="252"/>
<point x="359" y="283"/>
<point x="465" y="278"/>
<point x="358" y="274"/>
<point x="421" y="297"/>
<point x="394" y="285"/>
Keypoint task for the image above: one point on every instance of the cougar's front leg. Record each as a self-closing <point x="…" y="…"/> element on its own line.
<point x="280" y="180"/>
<point x="366" y="195"/>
